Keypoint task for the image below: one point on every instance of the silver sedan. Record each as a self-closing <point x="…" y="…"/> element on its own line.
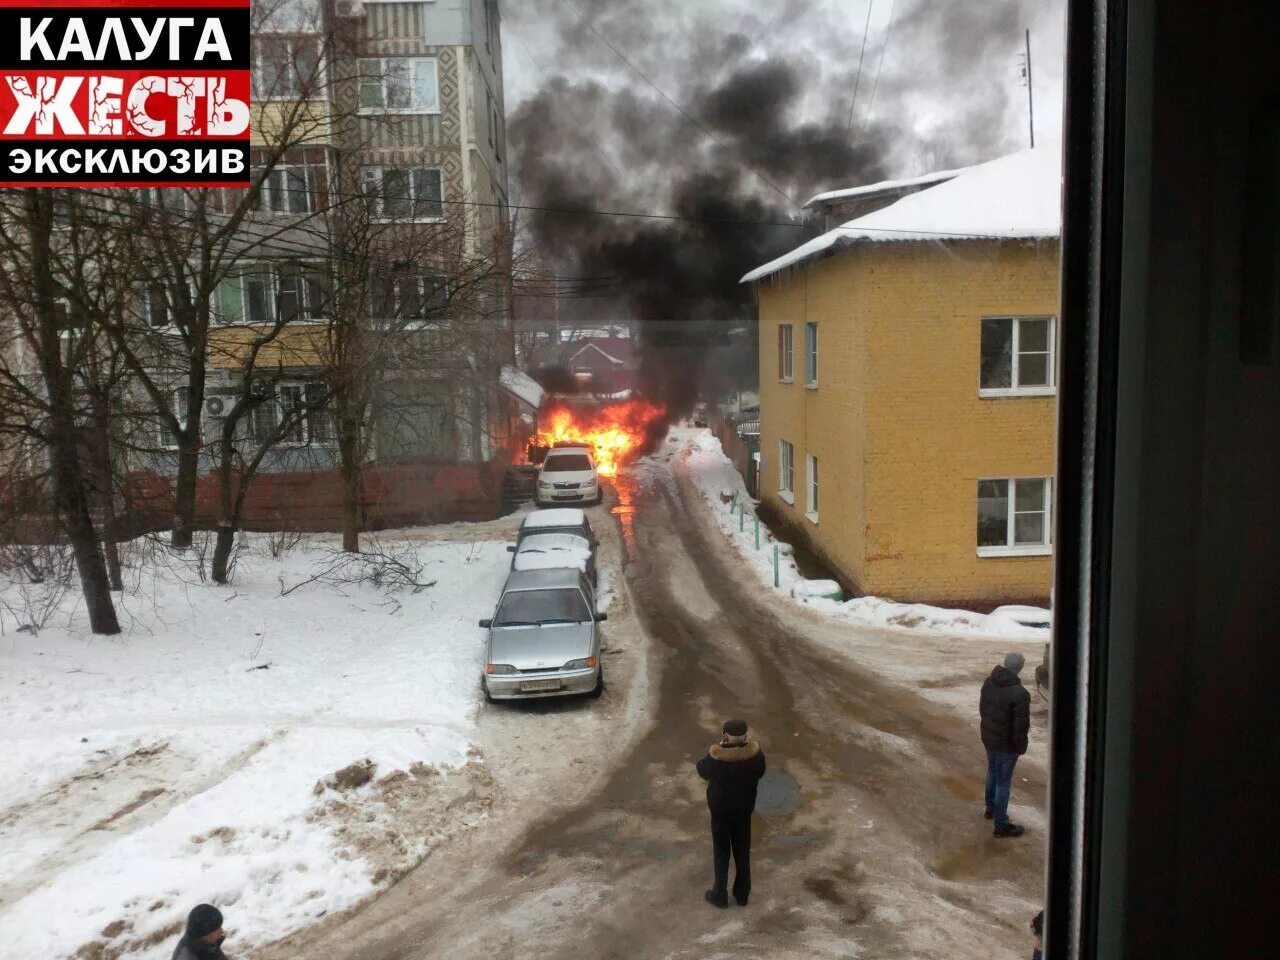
<point x="544" y="638"/>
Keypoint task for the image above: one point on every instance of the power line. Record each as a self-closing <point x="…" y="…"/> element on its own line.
<point x="857" y="80"/>
<point x="888" y="32"/>
<point x="688" y="116"/>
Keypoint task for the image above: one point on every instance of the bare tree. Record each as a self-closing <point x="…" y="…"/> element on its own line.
<point x="44" y="369"/>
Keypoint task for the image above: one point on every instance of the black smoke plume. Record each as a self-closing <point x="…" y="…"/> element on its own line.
<point x="767" y="90"/>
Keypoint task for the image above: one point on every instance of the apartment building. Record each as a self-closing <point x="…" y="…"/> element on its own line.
<point x="379" y="135"/>
<point x="907" y="381"/>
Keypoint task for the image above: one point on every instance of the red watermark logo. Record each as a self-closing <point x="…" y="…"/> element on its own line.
<point x="124" y="93"/>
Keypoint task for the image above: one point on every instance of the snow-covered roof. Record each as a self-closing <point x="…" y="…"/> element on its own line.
<point x="885" y="186"/>
<point x="521" y="386"/>
<point x="1014" y="197"/>
<point x="559" y="517"/>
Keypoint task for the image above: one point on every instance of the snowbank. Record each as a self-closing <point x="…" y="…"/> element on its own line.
<point x="725" y="496"/>
<point x="183" y="760"/>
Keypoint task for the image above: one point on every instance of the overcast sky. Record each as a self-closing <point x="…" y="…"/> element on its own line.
<point x="939" y="80"/>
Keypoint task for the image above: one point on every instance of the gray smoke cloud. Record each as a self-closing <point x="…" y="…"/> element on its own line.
<point x="769" y="93"/>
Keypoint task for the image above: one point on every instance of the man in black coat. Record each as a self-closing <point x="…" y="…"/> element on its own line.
<point x="732" y="768"/>
<point x="1005" y="707"/>
<point x="204" y="935"/>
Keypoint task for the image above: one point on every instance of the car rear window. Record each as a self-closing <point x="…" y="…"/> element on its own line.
<point x="566" y="462"/>
<point x="533" y="607"/>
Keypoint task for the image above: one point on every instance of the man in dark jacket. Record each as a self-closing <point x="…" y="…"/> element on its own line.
<point x="204" y="935"/>
<point x="1005" y="707"/>
<point x="732" y="768"/>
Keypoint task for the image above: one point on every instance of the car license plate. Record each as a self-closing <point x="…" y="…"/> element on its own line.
<point x="532" y="686"/>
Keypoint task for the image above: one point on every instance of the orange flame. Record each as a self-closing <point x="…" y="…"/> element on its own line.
<point x="616" y="431"/>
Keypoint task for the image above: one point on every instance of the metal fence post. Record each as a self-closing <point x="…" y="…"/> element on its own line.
<point x="742" y="517"/>
<point x="757" y="531"/>
<point x="775" y="564"/>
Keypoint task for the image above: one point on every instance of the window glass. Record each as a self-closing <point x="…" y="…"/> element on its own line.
<point x="427" y="194"/>
<point x="993" y="513"/>
<point x="257" y="297"/>
<point x="997" y="353"/>
<point x="811" y="353"/>
<point x="566" y="463"/>
<point x="1033" y="352"/>
<point x="532" y="607"/>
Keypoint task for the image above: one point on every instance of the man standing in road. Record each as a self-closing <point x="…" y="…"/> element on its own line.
<point x="1005" y="707"/>
<point x="732" y="768"/>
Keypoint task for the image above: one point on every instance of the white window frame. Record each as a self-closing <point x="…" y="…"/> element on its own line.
<point x="313" y="313"/>
<point x="271" y="192"/>
<point x="372" y="197"/>
<point x="786" y="471"/>
<point x="305" y="428"/>
<point x="287" y="96"/>
<point x="1010" y="548"/>
<point x="811" y="483"/>
<point x="786" y="353"/>
<point x="1017" y="390"/>
<point x="380" y="76"/>
<point x="810" y="355"/>
<point x="178" y="404"/>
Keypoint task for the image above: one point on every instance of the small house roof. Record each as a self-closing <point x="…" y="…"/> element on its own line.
<point x="1014" y="197"/>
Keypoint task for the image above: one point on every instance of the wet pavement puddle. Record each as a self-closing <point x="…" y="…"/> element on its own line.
<point x="778" y="794"/>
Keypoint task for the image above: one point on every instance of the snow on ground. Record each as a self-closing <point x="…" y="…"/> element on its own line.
<point x="725" y="494"/>
<point x="193" y="757"/>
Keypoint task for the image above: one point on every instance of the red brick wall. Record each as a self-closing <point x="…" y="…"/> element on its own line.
<point x="393" y="496"/>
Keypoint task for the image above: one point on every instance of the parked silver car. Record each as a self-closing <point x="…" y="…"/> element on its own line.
<point x="544" y="638"/>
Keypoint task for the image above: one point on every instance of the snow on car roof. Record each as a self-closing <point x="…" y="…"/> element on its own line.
<point x="549" y="579"/>
<point x="1014" y="197"/>
<point x="561" y="517"/>
<point x="554" y="541"/>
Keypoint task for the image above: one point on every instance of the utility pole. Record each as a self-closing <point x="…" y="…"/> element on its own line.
<point x="1031" y="103"/>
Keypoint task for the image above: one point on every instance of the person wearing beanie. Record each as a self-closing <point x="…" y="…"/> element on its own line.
<point x="203" y="937"/>
<point x="732" y="768"/>
<point x="1005" y="710"/>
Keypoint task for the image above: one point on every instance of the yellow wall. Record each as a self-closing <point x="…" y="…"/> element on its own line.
<point x="900" y="431"/>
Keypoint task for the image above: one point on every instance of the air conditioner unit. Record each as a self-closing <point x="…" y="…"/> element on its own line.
<point x="217" y="406"/>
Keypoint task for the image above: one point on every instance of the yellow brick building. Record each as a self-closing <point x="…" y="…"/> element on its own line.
<point x="907" y="370"/>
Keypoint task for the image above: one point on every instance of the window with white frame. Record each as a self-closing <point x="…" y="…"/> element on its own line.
<point x="811" y="469"/>
<point x="155" y="305"/>
<point x="290" y="188"/>
<point x="400" y="85"/>
<point x="811" y="354"/>
<point x="1015" y="516"/>
<point x="261" y="295"/>
<point x="178" y="398"/>
<point x="784" y="351"/>
<point x="407" y="295"/>
<point x="285" y="67"/>
<point x="786" y="471"/>
<point x="300" y="408"/>
<point x="1017" y="355"/>
<point x="404" y="193"/>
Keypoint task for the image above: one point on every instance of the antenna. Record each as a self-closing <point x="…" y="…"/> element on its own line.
<point x="1025" y="74"/>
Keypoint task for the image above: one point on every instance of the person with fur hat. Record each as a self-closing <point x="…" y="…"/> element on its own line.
<point x="732" y="768"/>
<point x="1005" y="709"/>
<point x="204" y="935"/>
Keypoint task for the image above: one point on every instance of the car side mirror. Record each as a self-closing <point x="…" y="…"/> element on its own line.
<point x="486" y="624"/>
<point x="511" y="548"/>
<point x="601" y="617"/>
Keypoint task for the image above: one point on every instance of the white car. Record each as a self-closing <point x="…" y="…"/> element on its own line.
<point x="568" y="475"/>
